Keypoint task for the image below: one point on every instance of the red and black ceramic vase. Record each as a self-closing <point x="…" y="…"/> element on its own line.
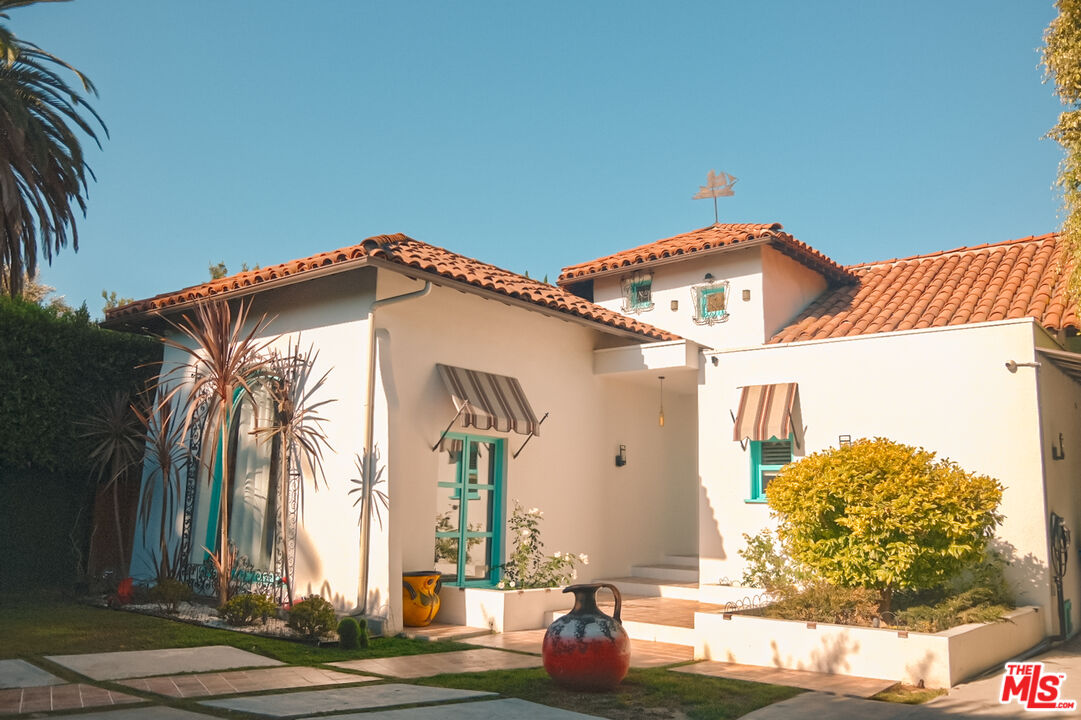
<point x="586" y="649"/>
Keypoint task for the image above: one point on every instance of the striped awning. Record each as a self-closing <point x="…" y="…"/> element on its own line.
<point x="487" y="401"/>
<point x="770" y="411"/>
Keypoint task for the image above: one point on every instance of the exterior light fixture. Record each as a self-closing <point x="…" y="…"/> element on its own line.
<point x="1012" y="365"/>
<point x="675" y="305"/>
<point x="621" y="456"/>
<point x="844" y="440"/>
<point x="709" y="277"/>
<point x="746" y="295"/>
<point x="660" y="418"/>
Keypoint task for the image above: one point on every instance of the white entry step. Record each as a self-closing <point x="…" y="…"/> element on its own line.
<point x="666" y="571"/>
<point x="655" y="587"/>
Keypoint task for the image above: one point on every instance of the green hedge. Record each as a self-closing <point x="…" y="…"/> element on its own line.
<point x="54" y="370"/>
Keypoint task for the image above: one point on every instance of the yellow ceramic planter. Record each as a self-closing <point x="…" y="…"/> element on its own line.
<point x="420" y="597"/>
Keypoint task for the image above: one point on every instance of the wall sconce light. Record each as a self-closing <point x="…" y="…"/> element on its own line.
<point x="844" y="440"/>
<point x="621" y="456"/>
<point x="1012" y="365"/>
<point x="709" y="277"/>
<point x="1058" y="453"/>
<point x="675" y="305"/>
<point x="746" y="295"/>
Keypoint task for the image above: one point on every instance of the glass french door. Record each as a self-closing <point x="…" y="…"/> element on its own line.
<point x="469" y="510"/>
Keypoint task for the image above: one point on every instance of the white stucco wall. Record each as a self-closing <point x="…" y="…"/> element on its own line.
<point x="787" y="288"/>
<point x="330" y="315"/>
<point x="741" y="268"/>
<point x="618" y="516"/>
<point x="944" y="389"/>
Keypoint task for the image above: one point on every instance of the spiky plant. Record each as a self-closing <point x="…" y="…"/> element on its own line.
<point x="225" y="355"/>
<point x="167" y="452"/>
<point x="297" y="425"/>
<point x="116" y="439"/>
<point x="42" y="169"/>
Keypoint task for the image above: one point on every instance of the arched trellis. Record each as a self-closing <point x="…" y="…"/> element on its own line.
<point x="273" y="581"/>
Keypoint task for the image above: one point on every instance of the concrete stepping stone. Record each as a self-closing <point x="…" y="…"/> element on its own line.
<point x="242" y="681"/>
<point x="69" y="696"/>
<point x="459" y="661"/>
<point x="507" y="709"/>
<point x="21" y="674"/>
<point x="141" y="663"/>
<point x="339" y="699"/>
<point x="151" y="712"/>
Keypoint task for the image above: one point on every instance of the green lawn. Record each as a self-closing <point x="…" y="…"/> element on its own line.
<point x="39" y="625"/>
<point x="651" y="693"/>
<point x="44" y="625"/>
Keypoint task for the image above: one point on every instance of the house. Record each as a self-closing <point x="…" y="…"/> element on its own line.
<point x="643" y="403"/>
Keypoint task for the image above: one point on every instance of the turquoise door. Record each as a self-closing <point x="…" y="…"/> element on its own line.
<point x="469" y="510"/>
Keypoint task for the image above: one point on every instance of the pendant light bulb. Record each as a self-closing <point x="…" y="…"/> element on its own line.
<point x="660" y="417"/>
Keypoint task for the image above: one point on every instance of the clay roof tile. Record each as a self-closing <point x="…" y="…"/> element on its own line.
<point x="403" y="250"/>
<point x="1019" y="278"/>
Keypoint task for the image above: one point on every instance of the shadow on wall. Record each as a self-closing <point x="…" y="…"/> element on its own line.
<point x="710" y="539"/>
<point x="831" y="657"/>
<point x="1027" y="576"/>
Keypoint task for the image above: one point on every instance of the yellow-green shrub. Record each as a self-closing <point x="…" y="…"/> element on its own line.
<point x="882" y="515"/>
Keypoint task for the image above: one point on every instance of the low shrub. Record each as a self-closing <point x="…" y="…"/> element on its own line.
<point x="766" y="564"/>
<point x="312" y="618"/>
<point x="821" y="602"/>
<point x="246" y="609"/>
<point x="349" y="634"/>
<point x="168" y="594"/>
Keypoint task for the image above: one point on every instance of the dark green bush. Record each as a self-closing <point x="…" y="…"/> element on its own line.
<point x="169" y="593"/>
<point x="247" y="608"/>
<point x="312" y="617"/>
<point x="349" y="634"/>
<point x="55" y="369"/>
<point x="365" y="636"/>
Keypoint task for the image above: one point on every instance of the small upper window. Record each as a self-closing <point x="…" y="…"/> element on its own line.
<point x="638" y="294"/>
<point x="710" y="303"/>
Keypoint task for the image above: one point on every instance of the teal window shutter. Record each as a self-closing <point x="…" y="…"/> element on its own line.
<point x="767" y="459"/>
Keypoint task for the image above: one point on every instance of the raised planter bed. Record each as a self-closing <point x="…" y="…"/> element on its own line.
<point x="939" y="660"/>
<point x="501" y="610"/>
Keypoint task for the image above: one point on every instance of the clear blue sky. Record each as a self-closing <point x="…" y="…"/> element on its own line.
<point x="539" y="135"/>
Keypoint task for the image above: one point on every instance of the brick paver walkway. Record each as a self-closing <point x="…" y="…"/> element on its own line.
<point x="461" y="661"/>
<point x="824" y="682"/>
<point x="69" y="696"/>
<point x="644" y="653"/>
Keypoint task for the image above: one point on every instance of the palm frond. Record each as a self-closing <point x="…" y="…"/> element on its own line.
<point x="43" y="172"/>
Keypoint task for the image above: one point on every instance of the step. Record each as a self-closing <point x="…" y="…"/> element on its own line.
<point x="655" y="587"/>
<point x="666" y="571"/>
<point x="690" y="561"/>
<point x="655" y="619"/>
<point x="640" y="630"/>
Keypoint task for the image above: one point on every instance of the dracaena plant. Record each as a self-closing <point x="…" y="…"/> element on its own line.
<point x="296" y="426"/>
<point x="116" y="447"/>
<point x="163" y="433"/>
<point x="226" y="354"/>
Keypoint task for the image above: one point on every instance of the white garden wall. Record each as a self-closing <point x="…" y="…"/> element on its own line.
<point x="939" y="660"/>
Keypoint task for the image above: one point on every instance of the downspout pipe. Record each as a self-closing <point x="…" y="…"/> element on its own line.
<point x="369" y="441"/>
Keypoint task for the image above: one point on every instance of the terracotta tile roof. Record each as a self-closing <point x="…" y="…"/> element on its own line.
<point x="705" y="239"/>
<point x="402" y="250"/>
<point x="1006" y="280"/>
